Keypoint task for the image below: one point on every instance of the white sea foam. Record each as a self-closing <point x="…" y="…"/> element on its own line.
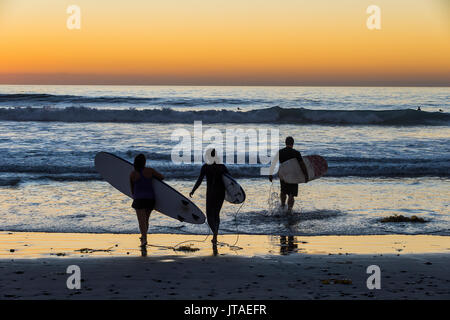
<point x="268" y="115"/>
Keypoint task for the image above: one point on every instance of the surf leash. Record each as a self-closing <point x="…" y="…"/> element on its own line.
<point x="234" y="246"/>
<point x="174" y="248"/>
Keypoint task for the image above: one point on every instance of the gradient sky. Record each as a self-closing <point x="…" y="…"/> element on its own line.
<point x="225" y="42"/>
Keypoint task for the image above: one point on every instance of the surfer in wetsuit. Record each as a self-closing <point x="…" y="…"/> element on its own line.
<point x="289" y="189"/>
<point x="215" y="190"/>
<point x="143" y="194"/>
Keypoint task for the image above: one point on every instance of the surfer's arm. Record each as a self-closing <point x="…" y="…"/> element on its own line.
<point x="157" y="174"/>
<point x="199" y="180"/>
<point x="275" y="160"/>
<point x="303" y="166"/>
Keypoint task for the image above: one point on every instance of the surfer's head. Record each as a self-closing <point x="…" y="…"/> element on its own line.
<point x="210" y="156"/>
<point x="139" y="162"/>
<point x="290" y="141"/>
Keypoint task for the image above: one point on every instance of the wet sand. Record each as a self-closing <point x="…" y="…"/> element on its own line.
<point x="34" y="265"/>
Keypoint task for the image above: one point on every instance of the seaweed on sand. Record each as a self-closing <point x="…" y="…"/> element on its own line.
<point x="401" y="218"/>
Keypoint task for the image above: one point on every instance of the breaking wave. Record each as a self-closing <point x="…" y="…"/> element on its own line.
<point x="277" y="115"/>
<point x="36" y="99"/>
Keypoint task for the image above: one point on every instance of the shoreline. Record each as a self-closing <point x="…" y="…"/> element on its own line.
<point x="263" y="267"/>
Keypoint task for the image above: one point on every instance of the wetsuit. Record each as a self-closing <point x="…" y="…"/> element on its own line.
<point x="286" y="154"/>
<point x="215" y="192"/>
<point x="144" y="196"/>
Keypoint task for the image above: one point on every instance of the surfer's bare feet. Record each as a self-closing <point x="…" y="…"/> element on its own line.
<point x="144" y="251"/>
<point x="214" y="247"/>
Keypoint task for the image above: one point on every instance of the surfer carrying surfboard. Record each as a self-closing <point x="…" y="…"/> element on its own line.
<point x="288" y="189"/>
<point x="215" y="190"/>
<point x="143" y="193"/>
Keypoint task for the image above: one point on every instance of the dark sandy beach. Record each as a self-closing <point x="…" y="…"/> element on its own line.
<point x="34" y="265"/>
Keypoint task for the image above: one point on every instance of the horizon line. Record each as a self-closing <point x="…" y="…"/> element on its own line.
<point x="332" y="80"/>
<point x="360" y="85"/>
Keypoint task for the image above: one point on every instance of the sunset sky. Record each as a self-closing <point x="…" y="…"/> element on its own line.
<point x="225" y="42"/>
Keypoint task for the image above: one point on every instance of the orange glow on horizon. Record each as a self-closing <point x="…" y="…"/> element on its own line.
<point x="233" y="41"/>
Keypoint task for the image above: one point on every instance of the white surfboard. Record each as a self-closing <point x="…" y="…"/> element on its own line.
<point x="233" y="191"/>
<point x="291" y="172"/>
<point x="168" y="201"/>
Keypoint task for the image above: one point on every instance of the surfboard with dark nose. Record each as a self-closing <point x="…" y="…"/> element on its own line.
<point x="291" y="172"/>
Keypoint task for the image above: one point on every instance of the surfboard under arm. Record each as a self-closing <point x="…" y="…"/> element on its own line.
<point x="116" y="171"/>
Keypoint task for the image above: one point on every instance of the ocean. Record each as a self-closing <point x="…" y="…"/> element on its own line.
<point x="385" y="157"/>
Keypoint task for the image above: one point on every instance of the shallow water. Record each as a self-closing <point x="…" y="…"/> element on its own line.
<point x="328" y="206"/>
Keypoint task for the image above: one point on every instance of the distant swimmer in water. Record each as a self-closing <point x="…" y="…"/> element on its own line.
<point x="143" y="193"/>
<point x="288" y="189"/>
<point x="215" y="190"/>
<point x="440" y="110"/>
<point x="418" y="109"/>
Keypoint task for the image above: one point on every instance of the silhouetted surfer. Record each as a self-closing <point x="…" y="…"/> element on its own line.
<point x="143" y="194"/>
<point x="288" y="189"/>
<point x="215" y="190"/>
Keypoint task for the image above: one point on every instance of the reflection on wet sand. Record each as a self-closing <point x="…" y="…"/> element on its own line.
<point x="62" y="245"/>
<point x="287" y="246"/>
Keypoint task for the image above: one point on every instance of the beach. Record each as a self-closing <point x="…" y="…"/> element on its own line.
<point x="248" y="267"/>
